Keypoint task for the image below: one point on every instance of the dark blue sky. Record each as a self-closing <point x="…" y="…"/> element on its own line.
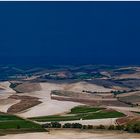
<point x="70" y="32"/>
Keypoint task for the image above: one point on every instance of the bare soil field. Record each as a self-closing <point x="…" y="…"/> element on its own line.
<point x="74" y="134"/>
<point x="4" y="86"/>
<point x="26" y="102"/>
<point x="64" y="93"/>
<point x="52" y="107"/>
<point x="5" y="104"/>
<point x="130" y="83"/>
<point x="128" y="94"/>
<point x="108" y="84"/>
<point x="40" y="103"/>
<point x="80" y="86"/>
<point x="132" y="99"/>
<point x="126" y="76"/>
<point x="128" y="120"/>
<point x="48" y="106"/>
<point x="76" y="86"/>
<point x="94" y="102"/>
<point x="27" y="87"/>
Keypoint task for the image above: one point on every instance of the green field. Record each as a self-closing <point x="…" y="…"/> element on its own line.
<point x="18" y="125"/>
<point x="84" y="109"/>
<point x="81" y="112"/>
<point x="11" y="123"/>
<point x="6" y="117"/>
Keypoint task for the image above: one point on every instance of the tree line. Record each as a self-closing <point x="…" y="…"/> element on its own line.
<point x="133" y="128"/>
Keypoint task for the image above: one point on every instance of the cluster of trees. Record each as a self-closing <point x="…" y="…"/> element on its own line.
<point x="52" y="125"/>
<point x="118" y="92"/>
<point x="88" y="91"/>
<point x="72" y="125"/>
<point x="58" y="125"/>
<point x="13" y="85"/>
<point x="135" y="128"/>
<point x="115" y="92"/>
